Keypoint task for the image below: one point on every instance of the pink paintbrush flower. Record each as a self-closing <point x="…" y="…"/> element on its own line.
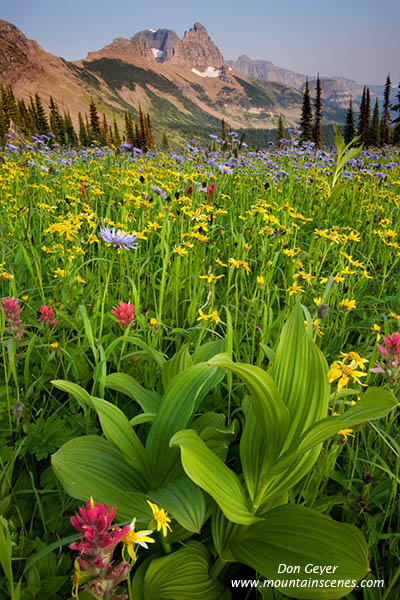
<point x="125" y="313"/>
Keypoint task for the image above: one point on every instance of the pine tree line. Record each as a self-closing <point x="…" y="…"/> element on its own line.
<point x="374" y="131"/>
<point x="30" y="118"/>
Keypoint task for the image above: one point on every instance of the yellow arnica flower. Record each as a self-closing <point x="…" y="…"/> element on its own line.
<point x="345" y="433"/>
<point x="153" y="322"/>
<point x="54" y="345"/>
<point x="161" y="517"/>
<point x="260" y="280"/>
<point x="348" y="304"/>
<point x="211" y="277"/>
<point x="136" y="537"/>
<point x="317" y="300"/>
<point x="344" y="372"/>
<point x="295" y="289"/>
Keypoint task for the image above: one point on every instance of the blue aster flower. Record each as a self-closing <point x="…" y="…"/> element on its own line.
<point x="119" y="239"/>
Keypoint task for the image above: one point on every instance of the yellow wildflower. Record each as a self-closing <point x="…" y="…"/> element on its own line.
<point x="260" y="280"/>
<point x="317" y="301"/>
<point x="136" y="537"/>
<point x="295" y="289"/>
<point x="79" y="279"/>
<point x="210" y="278"/>
<point x="344" y="372"/>
<point x="345" y="433"/>
<point x="160" y="516"/>
<point x="347" y="304"/>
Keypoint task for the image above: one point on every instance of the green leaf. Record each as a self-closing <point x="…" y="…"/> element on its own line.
<point x="91" y="466"/>
<point x="115" y="426"/>
<point x="182" y="397"/>
<point x="267" y="422"/>
<point x="206" y="351"/>
<point x="213" y="476"/>
<point x="5" y="549"/>
<point x="182" y="575"/>
<point x="120" y="432"/>
<point x="297" y="536"/>
<point x="120" y="382"/>
<point x="300" y="373"/>
<point x="81" y="396"/>
<point x="184" y="501"/>
<point x="374" y="404"/>
<point x="177" y="364"/>
<point x="88" y="329"/>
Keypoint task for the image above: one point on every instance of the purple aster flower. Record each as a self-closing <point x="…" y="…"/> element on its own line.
<point x="120" y="239"/>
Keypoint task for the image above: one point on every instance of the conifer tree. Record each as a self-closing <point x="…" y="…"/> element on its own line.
<point x="374" y="134"/>
<point x="83" y="134"/>
<point x="362" y="117"/>
<point x="281" y="130"/>
<point x="25" y="119"/>
<point x="306" y="116"/>
<point x="396" y="122"/>
<point x="129" y="132"/>
<point x="386" y="133"/>
<point x="349" y="129"/>
<point x="150" y="143"/>
<point x="116" y="135"/>
<point x="42" y="124"/>
<point x="224" y="138"/>
<point x="142" y="131"/>
<point x="165" y="143"/>
<point x="10" y="106"/>
<point x="70" y="137"/>
<point x="56" y="122"/>
<point x="3" y="126"/>
<point x="368" y="109"/>
<point x="317" y="131"/>
<point x="95" y="128"/>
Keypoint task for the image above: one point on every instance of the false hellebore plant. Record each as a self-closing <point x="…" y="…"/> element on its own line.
<point x="182" y="467"/>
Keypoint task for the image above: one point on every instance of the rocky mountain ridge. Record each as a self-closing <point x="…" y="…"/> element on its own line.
<point x="185" y="84"/>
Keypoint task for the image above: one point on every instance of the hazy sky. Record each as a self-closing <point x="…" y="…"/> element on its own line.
<point x="358" y="39"/>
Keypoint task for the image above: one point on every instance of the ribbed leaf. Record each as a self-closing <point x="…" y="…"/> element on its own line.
<point x="182" y="575"/>
<point x="299" y="371"/>
<point x="374" y="404"/>
<point x="91" y="466"/>
<point x="267" y="422"/>
<point x="183" y="395"/>
<point x="213" y="476"/>
<point x="120" y="382"/>
<point x="115" y="426"/>
<point x="184" y="500"/>
<point x="297" y="536"/>
<point x="177" y="364"/>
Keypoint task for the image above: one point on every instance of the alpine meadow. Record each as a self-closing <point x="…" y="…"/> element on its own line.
<point x="199" y="323"/>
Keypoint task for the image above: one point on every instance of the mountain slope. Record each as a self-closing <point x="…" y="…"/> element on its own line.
<point x="186" y="85"/>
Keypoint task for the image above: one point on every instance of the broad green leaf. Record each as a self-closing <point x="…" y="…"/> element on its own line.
<point x="300" y="373"/>
<point x="5" y="549"/>
<point x="374" y="404"/>
<point x="213" y="476"/>
<point x="182" y="397"/>
<point x="91" y="466"/>
<point x="297" y="536"/>
<point x="120" y="382"/>
<point x="222" y="530"/>
<point x="182" y="575"/>
<point x="81" y="396"/>
<point x="142" y="418"/>
<point x="88" y="329"/>
<point x="120" y="432"/>
<point x="177" y="364"/>
<point x="213" y="431"/>
<point x="206" y="351"/>
<point x="184" y="500"/>
<point x="115" y="426"/>
<point x="270" y="411"/>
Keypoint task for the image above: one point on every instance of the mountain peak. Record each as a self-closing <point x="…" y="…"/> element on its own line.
<point x="197" y="49"/>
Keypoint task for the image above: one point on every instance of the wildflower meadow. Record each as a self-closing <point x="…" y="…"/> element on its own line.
<point x="200" y="372"/>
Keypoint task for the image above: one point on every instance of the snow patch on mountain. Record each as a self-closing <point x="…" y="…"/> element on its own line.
<point x="209" y="72"/>
<point x="157" y="53"/>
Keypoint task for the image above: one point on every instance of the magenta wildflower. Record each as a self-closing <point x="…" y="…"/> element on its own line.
<point x="390" y="352"/>
<point x="13" y="324"/>
<point x="124" y="313"/>
<point x="96" y="548"/>
<point x="47" y="316"/>
<point x="211" y="191"/>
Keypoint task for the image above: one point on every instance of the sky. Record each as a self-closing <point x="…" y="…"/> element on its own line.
<point x="357" y="39"/>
